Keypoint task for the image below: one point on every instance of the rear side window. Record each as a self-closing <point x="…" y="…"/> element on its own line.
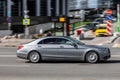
<point x="48" y="41"/>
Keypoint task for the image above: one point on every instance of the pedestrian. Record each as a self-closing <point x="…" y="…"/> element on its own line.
<point x="49" y="33"/>
<point x="0" y="40"/>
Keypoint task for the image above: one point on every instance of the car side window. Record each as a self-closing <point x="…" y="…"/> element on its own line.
<point x="64" y="41"/>
<point x="48" y="41"/>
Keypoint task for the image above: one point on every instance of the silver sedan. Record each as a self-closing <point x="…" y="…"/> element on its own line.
<point x="62" y="48"/>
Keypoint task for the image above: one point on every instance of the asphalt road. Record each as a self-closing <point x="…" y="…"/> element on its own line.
<point x="12" y="68"/>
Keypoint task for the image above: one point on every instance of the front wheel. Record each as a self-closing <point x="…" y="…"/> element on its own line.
<point x="92" y="57"/>
<point x="34" y="57"/>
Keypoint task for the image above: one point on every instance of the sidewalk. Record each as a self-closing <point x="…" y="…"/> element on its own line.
<point x="90" y="38"/>
<point x="13" y="42"/>
<point x="117" y="43"/>
<point x="16" y="42"/>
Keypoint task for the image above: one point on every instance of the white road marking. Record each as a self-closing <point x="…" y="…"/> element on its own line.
<point x="7" y="56"/>
<point x="13" y="56"/>
<point x="108" y="41"/>
<point x="100" y="44"/>
<point x="115" y="55"/>
<point x="116" y="45"/>
<point x="10" y="65"/>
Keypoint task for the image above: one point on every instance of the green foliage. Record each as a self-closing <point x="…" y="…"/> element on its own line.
<point x="80" y="24"/>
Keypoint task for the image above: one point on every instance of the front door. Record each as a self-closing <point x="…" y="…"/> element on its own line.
<point x="67" y="50"/>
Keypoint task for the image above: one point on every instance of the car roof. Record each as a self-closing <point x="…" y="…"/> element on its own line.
<point x="56" y="37"/>
<point x="37" y="40"/>
<point x="67" y="37"/>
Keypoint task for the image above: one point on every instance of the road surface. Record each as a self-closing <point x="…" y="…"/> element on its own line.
<point x="12" y="68"/>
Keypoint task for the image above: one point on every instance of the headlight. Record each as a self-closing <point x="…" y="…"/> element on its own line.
<point x="105" y="50"/>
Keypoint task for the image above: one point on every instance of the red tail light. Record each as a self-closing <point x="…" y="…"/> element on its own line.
<point x="20" y="47"/>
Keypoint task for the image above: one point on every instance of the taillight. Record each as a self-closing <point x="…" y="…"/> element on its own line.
<point x="20" y="47"/>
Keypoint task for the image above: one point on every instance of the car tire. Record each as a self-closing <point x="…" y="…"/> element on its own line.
<point x="34" y="57"/>
<point x="92" y="57"/>
<point x="97" y="35"/>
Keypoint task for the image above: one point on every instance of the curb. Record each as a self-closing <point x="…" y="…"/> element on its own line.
<point x="10" y="46"/>
<point x="114" y="39"/>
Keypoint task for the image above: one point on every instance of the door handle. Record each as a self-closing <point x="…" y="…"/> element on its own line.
<point x="39" y="46"/>
<point x="61" y="46"/>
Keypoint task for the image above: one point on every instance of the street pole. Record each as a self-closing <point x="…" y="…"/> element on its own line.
<point x="67" y="19"/>
<point x="9" y="13"/>
<point x="118" y="17"/>
<point x="48" y="7"/>
<point x="118" y="9"/>
<point x="109" y="3"/>
<point x="25" y="17"/>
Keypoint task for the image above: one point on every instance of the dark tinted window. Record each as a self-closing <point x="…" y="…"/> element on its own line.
<point x="102" y="28"/>
<point x="48" y="41"/>
<point x="63" y="41"/>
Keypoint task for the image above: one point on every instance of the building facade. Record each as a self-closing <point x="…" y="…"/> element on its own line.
<point x="89" y="4"/>
<point x="78" y="4"/>
<point x="105" y="3"/>
<point x="35" y="7"/>
<point x="39" y="11"/>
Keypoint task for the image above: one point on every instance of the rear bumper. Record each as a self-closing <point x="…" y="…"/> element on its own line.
<point x="101" y="34"/>
<point x="22" y="55"/>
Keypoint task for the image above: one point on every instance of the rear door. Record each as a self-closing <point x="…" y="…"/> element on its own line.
<point x="48" y="48"/>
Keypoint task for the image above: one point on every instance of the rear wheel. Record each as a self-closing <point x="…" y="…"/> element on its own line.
<point x="97" y="35"/>
<point x="92" y="57"/>
<point x="34" y="57"/>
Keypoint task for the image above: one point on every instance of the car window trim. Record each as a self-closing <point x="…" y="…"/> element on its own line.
<point x="45" y="39"/>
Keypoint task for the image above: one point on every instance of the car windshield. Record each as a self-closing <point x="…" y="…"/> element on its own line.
<point x="102" y="28"/>
<point x="78" y="42"/>
<point x="99" y="20"/>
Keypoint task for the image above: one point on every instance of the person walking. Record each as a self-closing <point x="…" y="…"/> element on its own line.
<point x="49" y="33"/>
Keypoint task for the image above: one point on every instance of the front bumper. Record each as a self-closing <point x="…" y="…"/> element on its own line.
<point x="106" y="55"/>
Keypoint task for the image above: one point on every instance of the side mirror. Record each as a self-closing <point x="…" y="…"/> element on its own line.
<point x="88" y="24"/>
<point x="75" y="45"/>
<point x="97" y="25"/>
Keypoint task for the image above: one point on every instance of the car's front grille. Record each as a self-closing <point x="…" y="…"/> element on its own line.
<point x="106" y="57"/>
<point x="109" y="50"/>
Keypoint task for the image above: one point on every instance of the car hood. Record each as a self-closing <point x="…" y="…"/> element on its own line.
<point x="94" y="46"/>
